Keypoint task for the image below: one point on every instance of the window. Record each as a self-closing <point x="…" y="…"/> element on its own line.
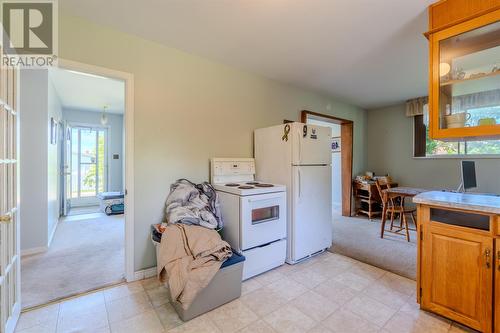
<point x="425" y="146"/>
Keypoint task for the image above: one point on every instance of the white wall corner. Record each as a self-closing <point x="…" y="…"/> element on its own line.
<point x="34" y="250"/>
<point x="52" y="233"/>
<point x="144" y="274"/>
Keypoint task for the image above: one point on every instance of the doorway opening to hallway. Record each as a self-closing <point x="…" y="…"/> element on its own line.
<point x="82" y="247"/>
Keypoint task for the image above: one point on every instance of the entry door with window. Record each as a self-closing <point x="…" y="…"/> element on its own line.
<point x="88" y="165"/>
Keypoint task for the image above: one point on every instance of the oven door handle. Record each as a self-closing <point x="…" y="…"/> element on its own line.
<point x="277" y="196"/>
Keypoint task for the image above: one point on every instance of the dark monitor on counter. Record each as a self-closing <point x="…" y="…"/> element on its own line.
<point x="469" y="175"/>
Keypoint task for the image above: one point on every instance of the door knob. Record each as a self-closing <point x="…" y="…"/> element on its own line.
<point x="5" y="218"/>
<point x="487" y="255"/>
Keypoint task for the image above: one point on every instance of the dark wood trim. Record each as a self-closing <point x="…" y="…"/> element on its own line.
<point x="346" y="137"/>
<point x="326" y="117"/>
<point x="420" y="136"/>
<point x="346" y="154"/>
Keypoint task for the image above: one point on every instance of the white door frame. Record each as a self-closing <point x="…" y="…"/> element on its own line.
<point x="128" y="78"/>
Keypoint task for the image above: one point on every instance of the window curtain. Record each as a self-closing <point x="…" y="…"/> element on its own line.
<point x="477" y="100"/>
<point x="415" y="107"/>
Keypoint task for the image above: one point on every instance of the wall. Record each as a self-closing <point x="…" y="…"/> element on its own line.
<point x="390" y="150"/>
<point x="115" y="141"/>
<point x="53" y="163"/>
<point x="33" y="159"/>
<point x="188" y="109"/>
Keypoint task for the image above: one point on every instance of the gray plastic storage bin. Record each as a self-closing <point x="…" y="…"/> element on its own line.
<point x="224" y="287"/>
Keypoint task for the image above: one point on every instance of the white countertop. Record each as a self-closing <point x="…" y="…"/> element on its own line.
<point x="470" y="201"/>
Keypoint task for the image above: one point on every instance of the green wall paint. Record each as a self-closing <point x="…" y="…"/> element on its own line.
<point x="390" y="150"/>
<point x="188" y="109"/>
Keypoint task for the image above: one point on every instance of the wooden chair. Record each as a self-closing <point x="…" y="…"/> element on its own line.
<point x="396" y="207"/>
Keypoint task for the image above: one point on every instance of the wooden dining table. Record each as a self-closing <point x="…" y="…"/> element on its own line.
<point x="395" y="192"/>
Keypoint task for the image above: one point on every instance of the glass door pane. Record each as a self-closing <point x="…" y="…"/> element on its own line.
<point x="101" y="161"/>
<point x="469" y="70"/>
<point x="75" y="153"/>
<point x="88" y="163"/>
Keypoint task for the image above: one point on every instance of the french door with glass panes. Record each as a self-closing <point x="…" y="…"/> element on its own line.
<point x="10" y="281"/>
<point x="88" y="165"/>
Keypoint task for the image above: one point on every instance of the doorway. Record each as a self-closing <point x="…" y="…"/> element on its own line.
<point x="88" y="247"/>
<point x="358" y="237"/>
<point x="342" y="134"/>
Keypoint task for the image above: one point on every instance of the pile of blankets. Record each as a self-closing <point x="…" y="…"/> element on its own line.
<point x="191" y="252"/>
<point x="193" y="204"/>
<point x="188" y="259"/>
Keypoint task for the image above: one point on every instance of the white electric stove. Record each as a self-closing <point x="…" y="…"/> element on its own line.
<point x="253" y="212"/>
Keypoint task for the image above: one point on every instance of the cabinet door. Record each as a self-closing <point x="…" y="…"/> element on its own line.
<point x="457" y="281"/>
<point x="497" y="284"/>
<point x="465" y="79"/>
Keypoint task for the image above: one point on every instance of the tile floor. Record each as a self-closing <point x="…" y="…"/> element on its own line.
<point x="328" y="293"/>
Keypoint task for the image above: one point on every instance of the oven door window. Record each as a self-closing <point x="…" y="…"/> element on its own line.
<point x="265" y="214"/>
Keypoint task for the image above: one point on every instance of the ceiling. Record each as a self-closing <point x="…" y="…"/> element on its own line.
<point x="370" y="53"/>
<point x="81" y="91"/>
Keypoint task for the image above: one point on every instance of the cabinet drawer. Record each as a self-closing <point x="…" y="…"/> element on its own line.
<point x="461" y="219"/>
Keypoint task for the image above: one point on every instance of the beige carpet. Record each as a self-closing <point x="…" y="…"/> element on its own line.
<point x="87" y="253"/>
<point x="359" y="239"/>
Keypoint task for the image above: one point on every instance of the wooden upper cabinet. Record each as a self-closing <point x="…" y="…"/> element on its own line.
<point x="445" y="13"/>
<point x="464" y="89"/>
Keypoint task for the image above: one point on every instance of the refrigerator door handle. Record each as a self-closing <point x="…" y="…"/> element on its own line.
<point x="300" y="181"/>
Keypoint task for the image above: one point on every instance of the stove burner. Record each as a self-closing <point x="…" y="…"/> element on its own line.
<point x="232" y="185"/>
<point x="252" y="183"/>
<point x="245" y="187"/>
<point x="264" y="185"/>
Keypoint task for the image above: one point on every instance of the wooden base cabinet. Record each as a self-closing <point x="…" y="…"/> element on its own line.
<point x="459" y="267"/>
<point x="496" y="268"/>
<point x="458" y="279"/>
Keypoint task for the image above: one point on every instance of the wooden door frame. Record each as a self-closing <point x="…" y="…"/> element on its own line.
<point x="346" y="137"/>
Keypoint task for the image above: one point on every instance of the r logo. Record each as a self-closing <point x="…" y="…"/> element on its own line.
<point x="28" y="27"/>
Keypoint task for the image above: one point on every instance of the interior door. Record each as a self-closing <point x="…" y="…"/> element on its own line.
<point x="10" y="282"/>
<point x="311" y="213"/>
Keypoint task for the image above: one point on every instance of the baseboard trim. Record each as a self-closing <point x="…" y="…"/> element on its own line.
<point x="53" y="233"/>
<point x="144" y="274"/>
<point x="34" y="250"/>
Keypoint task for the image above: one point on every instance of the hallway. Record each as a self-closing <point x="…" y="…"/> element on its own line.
<point x="87" y="253"/>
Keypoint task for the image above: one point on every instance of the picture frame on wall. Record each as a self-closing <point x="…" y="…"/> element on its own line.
<point x="336" y="144"/>
<point x="53" y="131"/>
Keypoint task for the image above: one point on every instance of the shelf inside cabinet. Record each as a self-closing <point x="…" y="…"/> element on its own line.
<point x="451" y="82"/>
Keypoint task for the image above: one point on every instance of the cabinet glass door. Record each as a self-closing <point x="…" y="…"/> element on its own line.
<point x="469" y="78"/>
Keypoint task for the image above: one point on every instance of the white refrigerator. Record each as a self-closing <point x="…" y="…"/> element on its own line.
<point x="299" y="156"/>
